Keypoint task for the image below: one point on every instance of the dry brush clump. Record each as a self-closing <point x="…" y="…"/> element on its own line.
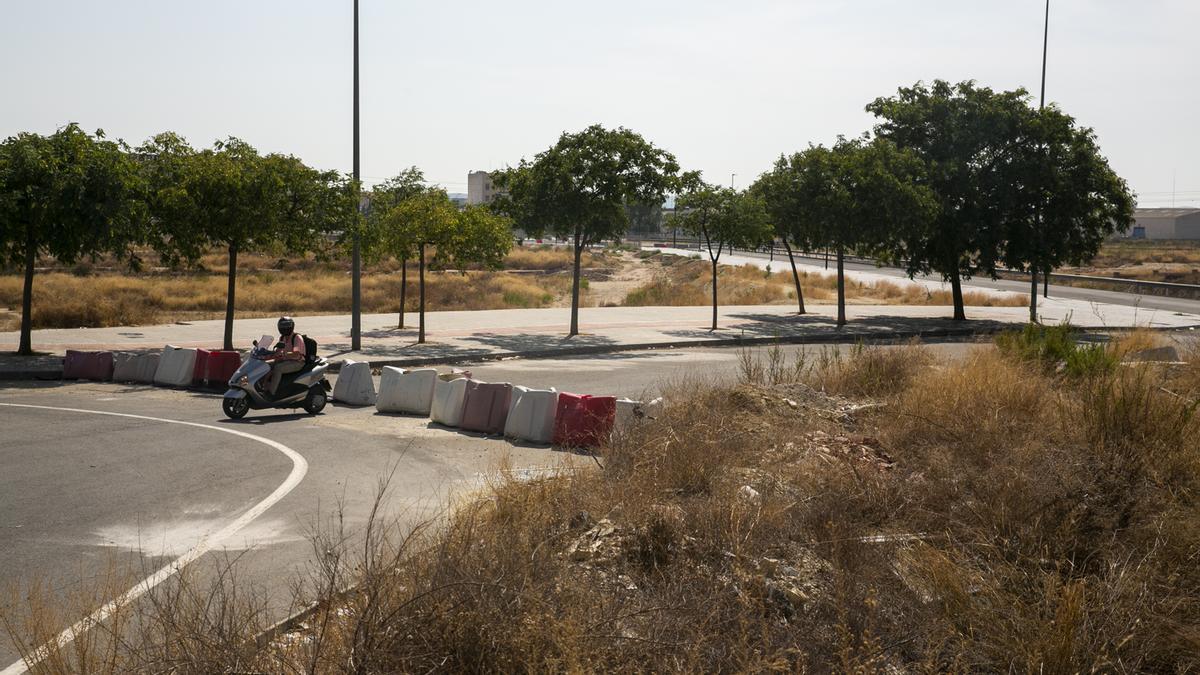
<point x="864" y="510"/>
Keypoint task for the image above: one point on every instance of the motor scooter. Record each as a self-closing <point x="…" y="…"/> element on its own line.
<point x="307" y="388"/>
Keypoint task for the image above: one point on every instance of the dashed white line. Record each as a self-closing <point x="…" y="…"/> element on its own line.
<point x="207" y="542"/>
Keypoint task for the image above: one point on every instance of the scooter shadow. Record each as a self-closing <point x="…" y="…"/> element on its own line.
<point x="268" y="419"/>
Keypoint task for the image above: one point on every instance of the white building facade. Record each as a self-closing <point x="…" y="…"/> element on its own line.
<point x="480" y="189"/>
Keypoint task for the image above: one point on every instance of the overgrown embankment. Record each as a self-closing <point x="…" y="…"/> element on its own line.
<point x="1027" y="508"/>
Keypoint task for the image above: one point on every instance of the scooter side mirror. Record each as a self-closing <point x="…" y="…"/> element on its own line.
<point x="256" y="343"/>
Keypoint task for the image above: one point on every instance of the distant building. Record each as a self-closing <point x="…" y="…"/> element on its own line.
<point x="1165" y="224"/>
<point x="480" y="189"/>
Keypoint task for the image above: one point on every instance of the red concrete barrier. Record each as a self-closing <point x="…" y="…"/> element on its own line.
<point x="485" y="407"/>
<point x="214" y="367"/>
<point x="583" y="421"/>
<point x="88" y="366"/>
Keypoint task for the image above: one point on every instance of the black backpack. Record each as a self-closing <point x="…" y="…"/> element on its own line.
<point x="310" y="349"/>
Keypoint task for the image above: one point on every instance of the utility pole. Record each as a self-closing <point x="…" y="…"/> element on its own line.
<point x="1041" y="106"/>
<point x="1033" y="271"/>
<point x="356" y="256"/>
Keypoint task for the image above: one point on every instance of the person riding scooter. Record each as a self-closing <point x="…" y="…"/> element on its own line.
<point x="290" y="353"/>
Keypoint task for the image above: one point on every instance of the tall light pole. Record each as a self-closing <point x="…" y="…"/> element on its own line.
<point x="356" y="256"/>
<point x="1033" y="267"/>
<point x="1041" y="106"/>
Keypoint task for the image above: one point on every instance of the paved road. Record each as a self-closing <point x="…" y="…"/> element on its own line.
<point x="79" y="492"/>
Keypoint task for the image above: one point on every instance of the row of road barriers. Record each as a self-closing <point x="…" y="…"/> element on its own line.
<point x="455" y="399"/>
<point x="173" y="367"/>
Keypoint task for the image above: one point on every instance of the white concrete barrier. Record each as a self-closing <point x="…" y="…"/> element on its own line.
<point x="135" y="367"/>
<point x="176" y="367"/>
<point x="354" y="384"/>
<point x="449" y="390"/>
<point x="531" y="414"/>
<point x="406" y="391"/>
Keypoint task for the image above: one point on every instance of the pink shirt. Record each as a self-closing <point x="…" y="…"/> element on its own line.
<point x="294" y="343"/>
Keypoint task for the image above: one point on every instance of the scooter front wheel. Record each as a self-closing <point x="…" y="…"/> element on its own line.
<point x="235" y="408"/>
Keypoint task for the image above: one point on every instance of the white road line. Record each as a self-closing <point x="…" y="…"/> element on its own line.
<point x="207" y="541"/>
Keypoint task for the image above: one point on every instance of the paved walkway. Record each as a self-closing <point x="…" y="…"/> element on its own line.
<point x="466" y="335"/>
<point x="463" y="335"/>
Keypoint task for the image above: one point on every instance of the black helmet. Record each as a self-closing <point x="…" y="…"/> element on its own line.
<point x="286" y="325"/>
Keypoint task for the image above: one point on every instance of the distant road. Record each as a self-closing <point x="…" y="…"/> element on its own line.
<point x="1056" y="290"/>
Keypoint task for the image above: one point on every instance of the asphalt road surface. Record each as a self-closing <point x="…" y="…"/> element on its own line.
<point x="83" y="494"/>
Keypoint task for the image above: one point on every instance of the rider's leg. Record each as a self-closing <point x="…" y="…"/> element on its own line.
<point x="279" y="370"/>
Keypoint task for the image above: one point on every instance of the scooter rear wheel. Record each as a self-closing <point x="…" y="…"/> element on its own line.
<point x="235" y="408"/>
<point x="315" y="401"/>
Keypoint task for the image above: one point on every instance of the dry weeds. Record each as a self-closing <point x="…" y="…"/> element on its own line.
<point x="687" y="282"/>
<point x="858" y="512"/>
<point x="91" y="296"/>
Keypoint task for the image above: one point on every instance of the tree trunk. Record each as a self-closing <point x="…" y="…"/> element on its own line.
<point x="841" y="281"/>
<point x="403" y="288"/>
<point x="960" y="313"/>
<point x="26" y="346"/>
<point x="229" y="297"/>
<point x="714" y="270"/>
<point x="421" y="294"/>
<point x="578" y="246"/>
<point x="1046" y="282"/>
<point x="795" y="276"/>
<point x="826" y="258"/>
<point x="1033" y="284"/>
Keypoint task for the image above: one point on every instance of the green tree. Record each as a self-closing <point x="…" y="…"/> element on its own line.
<point x="1065" y="198"/>
<point x="721" y="218"/>
<point x="68" y="195"/>
<point x="783" y="200"/>
<point x="970" y="139"/>
<point x="425" y="220"/>
<point x="379" y="240"/>
<point x="859" y="196"/>
<point x="230" y="196"/>
<point x="580" y="188"/>
<point x="479" y="237"/>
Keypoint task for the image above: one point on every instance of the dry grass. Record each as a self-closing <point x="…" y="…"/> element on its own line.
<point x="984" y="515"/>
<point x="89" y="296"/>
<point x="689" y="282"/>
<point x="1171" y="261"/>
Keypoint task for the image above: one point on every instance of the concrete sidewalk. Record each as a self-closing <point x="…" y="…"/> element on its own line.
<point x="471" y="335"/>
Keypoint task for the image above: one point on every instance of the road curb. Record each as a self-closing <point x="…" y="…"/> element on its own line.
<point x="978" y="330"/>
<point x="584" y="350"/>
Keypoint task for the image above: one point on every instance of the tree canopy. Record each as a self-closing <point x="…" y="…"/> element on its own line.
<point x="1064" y="198"/>
<point x="69" y="195"/>
<point x="233" y="197"/>
<point x="722" y="218"/>
<point x="970" y="139"/>
<point x="580" y="187"/>
<point x="861" y="196"/>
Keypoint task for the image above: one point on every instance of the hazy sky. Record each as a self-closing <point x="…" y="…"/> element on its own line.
<point x="726" y="86"/>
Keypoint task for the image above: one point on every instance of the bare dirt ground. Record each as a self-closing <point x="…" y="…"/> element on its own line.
<point x="610" y="286"/>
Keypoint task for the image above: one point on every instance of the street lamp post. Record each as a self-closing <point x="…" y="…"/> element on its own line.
<point x="1033" y="266"/>
<point x="1041" y="105"/>
<point x="356" y="255"/>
